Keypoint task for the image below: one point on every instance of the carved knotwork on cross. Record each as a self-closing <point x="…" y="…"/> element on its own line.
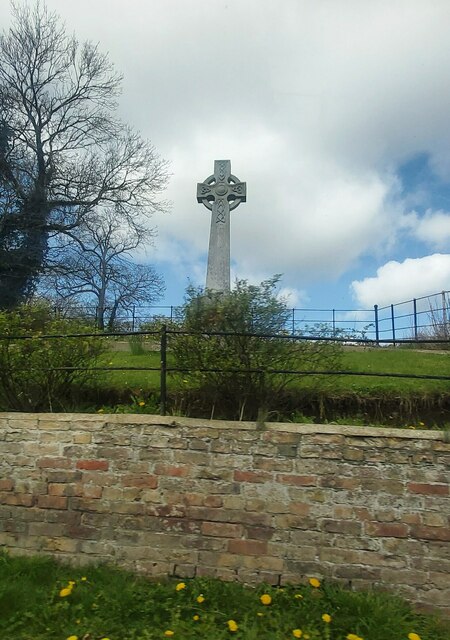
<point x="222" y="191"/>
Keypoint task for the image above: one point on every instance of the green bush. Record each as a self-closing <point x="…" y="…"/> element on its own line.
<point x="32" y="377"/>
<point x="233" y="373"/>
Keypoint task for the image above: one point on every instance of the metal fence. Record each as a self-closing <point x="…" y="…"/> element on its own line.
<point x="163" y="335"/>
<point x="424" y="317"/>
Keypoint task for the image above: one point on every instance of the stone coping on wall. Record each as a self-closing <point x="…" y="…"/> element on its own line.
<point x="180" y="421"/>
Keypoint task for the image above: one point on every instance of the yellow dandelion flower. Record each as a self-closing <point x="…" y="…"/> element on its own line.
<point x="169" y="633"/>
<point x="180" y="586"/>
<point x="326" y="618"/>
<point x="71" y="583"/>
<point x="414" y="636"/>
<point x="195" y="618"/>
<point x="298" y="596"/>
<point x="83" y="579"/>
<point x="314" y="582"/>
<point x="142" y="404"/>
<point x="353" y="636"/>
<point x="266" y="599"/>
<point x="72" y="638"/>
<point x="297" y="633"/>
<point x="200" y="598"/>
<point x="232" y="625"/>
<point x="259" y="614"/>
<point x="65" y="592"/>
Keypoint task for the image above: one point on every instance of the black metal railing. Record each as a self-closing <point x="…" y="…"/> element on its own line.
<point x="163" y="337"/>
<point x="415" y="318"/>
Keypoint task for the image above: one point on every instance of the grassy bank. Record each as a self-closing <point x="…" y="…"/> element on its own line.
<point x="43" y="600"/>
<point x="403" y="361"/>
<point x="352" y="399"/>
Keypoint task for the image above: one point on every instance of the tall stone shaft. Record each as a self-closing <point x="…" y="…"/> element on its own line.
<point x="220" y="193"/>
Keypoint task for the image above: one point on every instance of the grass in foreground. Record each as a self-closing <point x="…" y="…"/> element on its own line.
<point x="40" y="599"/>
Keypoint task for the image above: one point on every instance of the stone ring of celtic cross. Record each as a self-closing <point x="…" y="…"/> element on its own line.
<point x="213" y="188"/>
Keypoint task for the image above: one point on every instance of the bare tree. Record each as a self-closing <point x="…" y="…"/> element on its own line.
<point x="96" y="269"/>
<point x="63" y="151"/>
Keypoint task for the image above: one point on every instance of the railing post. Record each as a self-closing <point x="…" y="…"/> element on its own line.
<point x="293" y="322"/>
<point x="334" y="323"/>
<point x="171" y="313"/>
<point x="416" y="333"/>
<point x="444" y="314"/>
<point x="133" y="318"/>
<point x="393" y="324"/>
<point x="163" y="371"/>
<point x="377" y="328"/>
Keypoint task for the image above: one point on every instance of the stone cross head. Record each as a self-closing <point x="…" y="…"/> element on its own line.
<point x="221" y="192"/>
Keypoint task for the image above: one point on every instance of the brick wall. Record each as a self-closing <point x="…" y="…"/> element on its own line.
<point x="189" y="497"/>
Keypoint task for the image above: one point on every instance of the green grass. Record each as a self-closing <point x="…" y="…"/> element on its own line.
<point x="345" y="399"/>
<point x="368" y="360"/>
<point x="147" y="380"/>
<point x="104" y="602"/>
<point x="396" y="361"/>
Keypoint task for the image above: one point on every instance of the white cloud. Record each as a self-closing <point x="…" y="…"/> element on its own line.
<point x="401" y="281"/>
<point x="433" y="228"/>
<point x="315" y="103"/>
<point x="293" y="297"/>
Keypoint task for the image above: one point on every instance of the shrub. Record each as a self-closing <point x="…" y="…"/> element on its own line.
<point x="233" y="372"/>
<point x="32" y="377"/>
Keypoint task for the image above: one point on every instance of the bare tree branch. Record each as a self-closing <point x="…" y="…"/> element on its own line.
<point x="64" y="153"/>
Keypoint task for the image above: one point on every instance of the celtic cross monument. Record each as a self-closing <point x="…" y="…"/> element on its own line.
<point x="220" y="193"/>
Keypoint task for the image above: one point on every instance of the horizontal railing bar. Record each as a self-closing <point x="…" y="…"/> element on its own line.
<point x="213" y="370"/>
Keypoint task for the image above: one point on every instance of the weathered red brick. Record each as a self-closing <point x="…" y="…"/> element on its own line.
<point x="166" y="511"/>
<point x="54" y="463"/>
<point x="63" y="476"/>
<point x="429" y="489"/>
<point x="299" y="508"/>
<point x="19" y="500"/>
<point x="175" y="471"/>
<point x="252" y="476"/>
<point x="133" y="508"/>
<point x="351" y="527"/>
<point x="297" y="481"/>
<point x="342" y="511"/>
<point x="140" y="480"/>
<point x="259" y="533"/>
<point x="431" y="533"/>
<point x="222" y="529"/>
<point x="387" y="529"/>
<point x="180" y="525"/>
<point x="92" y="491"/>
<point x="6" y="484"/>
<point x="93" y="465"/>
<point x="52" y="502"/>
<point x="64" y="489"/>
<point x="248" y="547"/>
<point x="81" y="531"/>
<point x="213" y="501"/>
<point x="337" y="482"/>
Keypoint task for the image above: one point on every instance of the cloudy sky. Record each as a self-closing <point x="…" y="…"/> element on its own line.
<point x="335" y="112"/>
